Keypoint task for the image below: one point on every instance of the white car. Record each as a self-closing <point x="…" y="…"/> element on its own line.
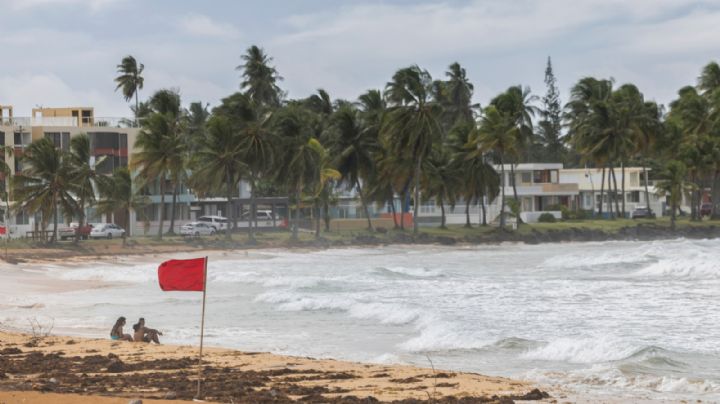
<point x="264" y="219"/>
<point x="197" y="229"/>
<point x="218" y="223"/>
<point x="106" y="230"/>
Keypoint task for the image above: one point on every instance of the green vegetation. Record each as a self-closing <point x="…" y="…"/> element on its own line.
<point x="418" y="138"/>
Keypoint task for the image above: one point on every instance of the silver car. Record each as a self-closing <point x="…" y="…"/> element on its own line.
<point x="197" y="229"/>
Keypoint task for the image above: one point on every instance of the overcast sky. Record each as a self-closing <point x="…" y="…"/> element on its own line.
<point x="64" y="52"/>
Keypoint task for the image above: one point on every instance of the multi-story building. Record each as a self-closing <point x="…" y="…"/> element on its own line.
<point x="111" y="143"/>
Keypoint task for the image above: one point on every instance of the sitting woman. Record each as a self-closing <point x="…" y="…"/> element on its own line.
<point x="117" y="331"/>
<point x="145" y="334"/>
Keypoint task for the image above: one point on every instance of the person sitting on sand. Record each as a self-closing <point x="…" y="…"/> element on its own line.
<point x="145" y="334"/>
<point x="117" y="331"/>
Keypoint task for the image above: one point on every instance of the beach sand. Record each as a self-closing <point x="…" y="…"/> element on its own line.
<point x="75" y="370"/>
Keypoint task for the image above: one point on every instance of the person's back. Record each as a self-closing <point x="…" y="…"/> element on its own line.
<point x="117" y="331"/>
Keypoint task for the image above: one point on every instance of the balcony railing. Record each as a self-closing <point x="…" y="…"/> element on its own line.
<point x="70" y="121"/>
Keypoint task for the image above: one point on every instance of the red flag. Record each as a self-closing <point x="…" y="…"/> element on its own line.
<point x="188" y="275"/>
<point x="3" y="230"/>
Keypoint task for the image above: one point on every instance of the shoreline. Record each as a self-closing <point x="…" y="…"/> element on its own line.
<point x="85" y="368"/>
<point x="102" y="249"/>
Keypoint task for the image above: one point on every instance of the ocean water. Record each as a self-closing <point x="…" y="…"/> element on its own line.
<point x="623" y="319"/>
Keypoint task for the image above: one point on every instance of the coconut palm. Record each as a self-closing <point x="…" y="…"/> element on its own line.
<point x="260" y="78"/>
<point x="497" y="134"/>
<point x="46" y="184"/>
<point x="297" y="163"/>
<point x="674" y="186"/>
<point x="130" y="80"/>
<point x="84" y="175"/>
<point x="412" y="125"/>
<point x="354" y="146"/>
<point x="325" y="175"/>
<point x="217" y="165"/>
<point x="442" y="181"/>
<point x="161" y="154"/>
<point x="117" y="194"/>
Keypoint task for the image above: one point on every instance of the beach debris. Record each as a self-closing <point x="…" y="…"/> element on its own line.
<point x="136" y="401"/>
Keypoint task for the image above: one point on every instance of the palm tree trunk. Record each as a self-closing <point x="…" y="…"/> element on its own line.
<point x="442" y="214"/>
<point x="693" y="199"/>
<point x="364" y="204"/>
<point x="672" y="214"/>
<point x="297" y="215"/>
<point x="502" y="198"/>
<point x="402" y="208"/>
<point x="326" y="214"/>
<point x="317" y="219"/>
<point x="228" y="206"/>
<point x="416" y="209"/>
<point x="55" y="220"/>
<point x="393" y="211"/>
<point x="172" y="209"/>
<point x="81" y="221"/>
<point x="610" y="191"/>
<point x="253" y="215"/>
<point x="622" y="174"/>
<point x="484" y="210"/>
<point x="647" y="191"/>
<point x="162" y="206"/>
<point x="617" y="204"/>
<point x="467" y="214"/>
<point x="602" y="193"/>
<point x="514" y="186"/>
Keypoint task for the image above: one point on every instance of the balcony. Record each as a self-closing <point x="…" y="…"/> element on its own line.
<point x="68" y="121"/>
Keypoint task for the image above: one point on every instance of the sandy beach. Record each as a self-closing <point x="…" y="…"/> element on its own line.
<point x="68" y="369"/>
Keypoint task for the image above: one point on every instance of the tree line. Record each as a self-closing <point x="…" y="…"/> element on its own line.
<point x="418" y="138"/>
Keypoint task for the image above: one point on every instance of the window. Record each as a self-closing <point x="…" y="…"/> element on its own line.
<point x="61" y="140"/>
<point x="22" y="218"/>
<point x="633" y="196"/>
<point x="526" y="178"/>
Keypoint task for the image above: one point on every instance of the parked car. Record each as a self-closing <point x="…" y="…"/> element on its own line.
<point x="706" y="209"/>
<point x="642" y="213"/>
<point x="197" y="229"/>
<point x="265" y="219"/>
<point x="73" y="230"/>
<point x="218" y="223"/>
<point x="107" y="230"/>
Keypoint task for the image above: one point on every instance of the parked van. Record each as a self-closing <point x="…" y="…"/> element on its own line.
<point x="219" y="223"/>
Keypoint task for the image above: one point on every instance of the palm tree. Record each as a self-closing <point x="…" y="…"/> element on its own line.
<point x="46" y="183"/>
<point x="442" y="181"/>
<point x="117" y="194"/>
<point x="84" y="176"/>
<point x="324" y="176"/>
<point x="161" y="152"/>
<point x="260" y="78"/>
<point x="130" y="80"/>
<point x="354" y="146"/>
<point x="674" y="185"/>
<point x="589" y="119"/>
<point x="517" y="104"/>
<point x="299" y="159"/>
<point x="412" y="125"/>
<point x="257" y="141"/>
<point x="217" y="164"/>
<point x="497" y="134"/>
<point x="455" y="96"/>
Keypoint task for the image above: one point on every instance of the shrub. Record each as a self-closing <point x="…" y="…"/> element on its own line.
<point x="547" y="218"/>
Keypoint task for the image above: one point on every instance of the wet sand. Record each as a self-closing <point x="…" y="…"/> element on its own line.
<point x="84" y="369"/>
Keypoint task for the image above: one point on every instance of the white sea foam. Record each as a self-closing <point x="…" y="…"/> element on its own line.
<point x="583" y="350"/>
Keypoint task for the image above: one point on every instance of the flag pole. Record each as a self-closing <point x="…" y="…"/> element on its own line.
<point x="202" y="331"/>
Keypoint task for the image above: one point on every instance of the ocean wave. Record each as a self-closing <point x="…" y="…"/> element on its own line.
<point x="583" y="350"/>
<point x="699" y="266"/>
<point x="407" y="272"/>
<point x="385" y="313"/>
